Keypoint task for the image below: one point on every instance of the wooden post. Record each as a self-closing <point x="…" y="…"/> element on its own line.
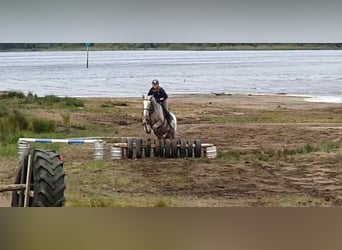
<point x="28" y="184"/>
<point x="12" y="187"/>
<point x="87" y="54"/>
<point x="87" y="46"/>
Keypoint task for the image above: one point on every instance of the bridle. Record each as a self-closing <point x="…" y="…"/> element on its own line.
<point x="148" y="100"/>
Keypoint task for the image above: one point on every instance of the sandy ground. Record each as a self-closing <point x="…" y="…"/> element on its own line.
<point x="5" y="200"/>
<point x="264" y="145"/>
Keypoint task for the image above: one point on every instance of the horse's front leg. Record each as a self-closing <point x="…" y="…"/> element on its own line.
<point x="147" y="126"/>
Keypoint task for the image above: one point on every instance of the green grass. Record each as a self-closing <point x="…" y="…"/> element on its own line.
<point x="78" y="200"/>
<point x="161" y="203"/>
<point x="15" y="124"/>
<point x="279" y="116"/>
<point x="271" y="154"/>
<point x="231" y="155"/>
<point x="308" y="148"/>
<point x="42" y="125"/>
<point x="292" y="200"/>
<point x="96" y="165"/>
<point x="115" y="199"/>
<point x="113" y="104"/>
<point x="9" y="150"/>
<point x="19" y="98"/>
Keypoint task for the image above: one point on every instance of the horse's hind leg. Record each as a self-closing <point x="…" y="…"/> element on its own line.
<point x="172" y="134"/>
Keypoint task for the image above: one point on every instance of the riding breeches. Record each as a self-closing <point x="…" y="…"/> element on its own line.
<point x="165" y="106"/>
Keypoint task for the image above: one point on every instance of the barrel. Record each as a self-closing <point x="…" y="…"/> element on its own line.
<point x="99" y="150"/>
<point x="116" y="153"/>
<point x="210" y="152"/>
<point x="22" y="147"/>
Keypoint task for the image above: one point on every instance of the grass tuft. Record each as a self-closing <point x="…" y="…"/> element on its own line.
<point x="161" y="203"/>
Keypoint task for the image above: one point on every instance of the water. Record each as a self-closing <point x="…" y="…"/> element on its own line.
<point x="129" y="73"/>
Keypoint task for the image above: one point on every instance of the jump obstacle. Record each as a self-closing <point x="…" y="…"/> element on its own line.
<point x="133" y="147"/>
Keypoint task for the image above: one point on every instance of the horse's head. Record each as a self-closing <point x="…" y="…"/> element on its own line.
<point x="148" y="101"/>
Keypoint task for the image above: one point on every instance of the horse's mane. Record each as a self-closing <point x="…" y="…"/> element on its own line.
<point x="151" y="98"/>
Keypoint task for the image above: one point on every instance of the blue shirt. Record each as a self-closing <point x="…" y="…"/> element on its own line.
<point x="160" y="93"/>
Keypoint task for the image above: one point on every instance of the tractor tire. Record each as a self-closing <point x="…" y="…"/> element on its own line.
<point x="47" y="182"/>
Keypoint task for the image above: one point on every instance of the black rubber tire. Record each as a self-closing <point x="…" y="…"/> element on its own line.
<point x="167" y="148"/>
<point x="182" y="148"/>
<point x="138" y="147"/>
<point x="156" y="149"/>
<point x="148" y="148"/>
<point x="198" y="148"/>
<point x="129" y="148"/>
<point x="174" y="148"/>
<point x="48" y="179"/>
<point x="161" y="148"/>
<point x="190" y="149"/>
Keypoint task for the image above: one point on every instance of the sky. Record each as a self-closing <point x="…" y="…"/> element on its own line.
<point x="240" y="21"/>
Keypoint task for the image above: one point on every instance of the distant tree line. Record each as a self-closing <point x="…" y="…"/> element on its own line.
<point x="167" y="46"/>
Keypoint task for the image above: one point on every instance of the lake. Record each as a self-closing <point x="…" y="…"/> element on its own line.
<point x="129" y="73"/>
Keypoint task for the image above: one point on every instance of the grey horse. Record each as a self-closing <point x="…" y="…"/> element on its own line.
<point x="154" y="119"/>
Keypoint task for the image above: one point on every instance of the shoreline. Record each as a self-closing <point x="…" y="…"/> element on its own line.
<point x="304" y="97"/>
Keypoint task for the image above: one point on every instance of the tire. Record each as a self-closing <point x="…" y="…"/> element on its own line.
<point x="156" y="149"/>
<point x="198" y="148"/>
<point x="182" y="148"/>
<point x="174" y="149"/>
<point x="138" y="147"/>
<point x="161" y="148"/>
<point x="167" y="148"/>
<point x="148" y="148"/>
<point x="48" y="175"/>
<point x="129" y="148"/>
<point x="48" y="179"/>
<point x="190" y="149"/>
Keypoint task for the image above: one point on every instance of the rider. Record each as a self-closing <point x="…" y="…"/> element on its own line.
<point x="161" y="97"/>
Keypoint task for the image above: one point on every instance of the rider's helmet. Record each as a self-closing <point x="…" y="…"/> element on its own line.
<point x="155" y="82"/>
